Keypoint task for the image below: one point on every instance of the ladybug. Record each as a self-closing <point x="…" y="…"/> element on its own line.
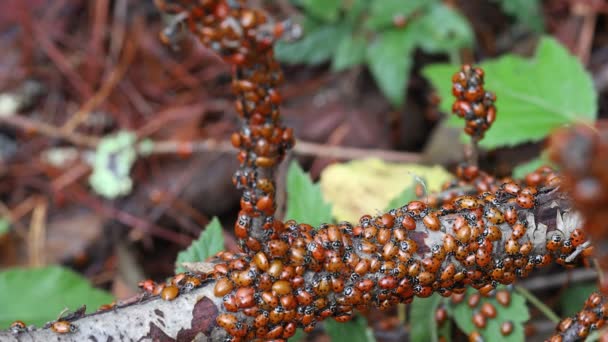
<point x="511" y="188"/>
<point x="506" y="328"/>
<point x="482" y="258"/>
<point x="423" y="291"/>
<point x="169" y="292"/>
<point x="278" y="248"/>
<point x="578" y="237"/>
<point x="408" y="222"/>
<point x="468" y="202"/>
<point x="503" y="297"/>
<point x="474" y="300"/>
<point x="229" y="302"/>
<point x="17" y="327"/>
<point x="431" y="221"/>
<point x="518" y="231"/>
<point x="289" y="330"/>
<point x="493" y="233"/>
<point x="475" y="336"/>
<point x="222" y="287"/>
<point x="494" y="216"/>
<point x="431" y="264"/>
<point x="416" y="207"/>
<point x="525" y="200"/>
<point x="449" y="244"/>
<point x="479" y="320"/>
<point x="147" y="285"/>
<point x="488" y="310"/>
<point x="63" y="327"/>
<point x="227" y="321"/>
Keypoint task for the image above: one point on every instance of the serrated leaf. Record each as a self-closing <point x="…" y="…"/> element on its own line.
<point x="389" y="60"/>
<point x="38" y="295"/>
<point x="209" y="243"/>
<point x="527" y="12"/>
<point x="352" y="331"/>
<point x="350" y="52"/>
<point x="533" y="99"/>
<point x="521" y="170"/>
<point x="305" y="202"/>
<point x="573" y="298"/>
<point x="454" y="33"/>
<point x="317" y="45"/>
<point x="367" y="186"/>
<point x="382" y="13"/>
<point x="424" y="325"/>
<point x="407" y="195"/>
<point x="327" y="10"/>
<point x="517" y="312"/>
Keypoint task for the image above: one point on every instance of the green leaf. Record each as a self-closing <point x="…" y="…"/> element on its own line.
<point x="517" y="312"/>
<point x="354" y="10"/>
<point x="389" y="60"/>
<point x="407" y="195"/>
<point x="453" y="33"/>
<point x="300" y="336"/>
<point x="527" y="12"/>
<point x="114" y="157"/>
<point x="304" y="199"/>
<point x="5" y="225"/>
<point x="38" y="295"/>
<point x="350" y="52"/>
<point x="382" y="13"/>
<point x="573" y="298"/>
<point x="327" y="10"/>
<point x="521" y="170"/>
<point x="352" y="331"/>
<point x="208" y="244"/>
<point x="424" y="325"/>
<point x="533" y="98"/>
<point x="317" y="46"/>
<point x="445" y="331"/>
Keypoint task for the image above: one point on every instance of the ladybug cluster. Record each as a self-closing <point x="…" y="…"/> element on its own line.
<point x="291" y="275"/>
<point x="304" y="275"/>
<point x="244" y="37"/>
<point x="473" y="103"/>
<point x="576" y="328"/>
<point x="582" y="153"/>
<point x="470" y="180"/>
<point x="180" y="283"/>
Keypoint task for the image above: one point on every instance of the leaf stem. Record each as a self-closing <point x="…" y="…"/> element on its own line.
<point x="542" y="307"/>
<point x="402" y="313"/>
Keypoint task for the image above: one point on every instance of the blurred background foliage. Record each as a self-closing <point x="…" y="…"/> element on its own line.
<point x="115" y="161"/>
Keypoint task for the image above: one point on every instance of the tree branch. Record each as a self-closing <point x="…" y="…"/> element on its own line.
<point x="192" y="315"/>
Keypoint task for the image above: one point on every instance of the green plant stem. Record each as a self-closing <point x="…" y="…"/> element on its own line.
<point x="402" y="313"/>
<point x="552" y="316"/>
<point x="454" y="56"/>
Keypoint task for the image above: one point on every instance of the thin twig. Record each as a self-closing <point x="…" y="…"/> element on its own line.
<point x="37" y="233"/>
<point x="27" y="124"/>
<point x="579" y="249"/>
<point x="552" y="281"/>
<point x="585" y="38"/>
<point x="301" y="148"/>
<point x="472" y="152"/>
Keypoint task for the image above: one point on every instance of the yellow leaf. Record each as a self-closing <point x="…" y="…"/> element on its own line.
<point x="367" y="186"/>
